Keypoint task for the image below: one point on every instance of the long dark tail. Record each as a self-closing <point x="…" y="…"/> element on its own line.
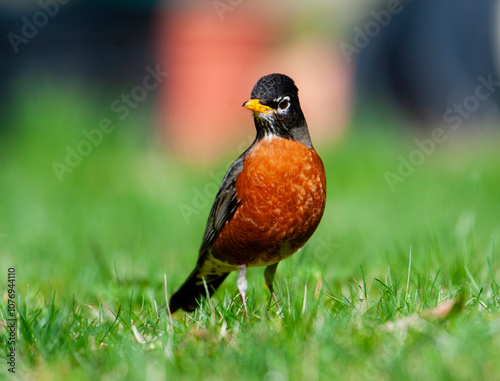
<point x="193" y="289"/>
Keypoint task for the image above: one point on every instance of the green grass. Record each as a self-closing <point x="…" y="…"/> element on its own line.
<point x="91" y="254"/>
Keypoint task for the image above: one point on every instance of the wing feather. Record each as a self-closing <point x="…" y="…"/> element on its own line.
<point x="225" y="205"/>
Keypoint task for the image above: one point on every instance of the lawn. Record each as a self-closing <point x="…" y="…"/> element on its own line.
<point x="398" y="283"/>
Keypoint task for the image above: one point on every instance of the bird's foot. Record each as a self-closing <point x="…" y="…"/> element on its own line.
<point x="242" y="285"/>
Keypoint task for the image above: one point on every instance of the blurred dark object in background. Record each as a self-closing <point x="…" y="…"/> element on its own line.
<point x="430" y="59"/>
<point x="91" y="43"/>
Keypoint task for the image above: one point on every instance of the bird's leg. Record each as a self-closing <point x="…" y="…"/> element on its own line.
<point x="269" y="276"/>
<point x="241" y="283"/>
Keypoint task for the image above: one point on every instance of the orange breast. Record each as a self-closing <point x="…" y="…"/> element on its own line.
<point x="282" y="193"/>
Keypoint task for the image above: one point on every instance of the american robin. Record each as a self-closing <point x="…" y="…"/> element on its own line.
<point x="270" y="202"/>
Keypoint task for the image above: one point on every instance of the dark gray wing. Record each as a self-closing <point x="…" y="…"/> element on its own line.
<point x="225" y="204"/>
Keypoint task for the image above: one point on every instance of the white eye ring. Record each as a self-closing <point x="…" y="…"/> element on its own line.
<point x="284" y="103"/>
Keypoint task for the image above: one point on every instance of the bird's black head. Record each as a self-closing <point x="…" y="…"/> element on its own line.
<point x="275" y="104"/>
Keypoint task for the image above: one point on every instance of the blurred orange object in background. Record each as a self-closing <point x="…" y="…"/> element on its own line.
<point x="214" y="59"/>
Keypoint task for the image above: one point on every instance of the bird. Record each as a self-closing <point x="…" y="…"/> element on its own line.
<point x="270" y="202"/>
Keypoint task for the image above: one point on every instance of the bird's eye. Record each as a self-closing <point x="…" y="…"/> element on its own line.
<point x="284" y="104"/>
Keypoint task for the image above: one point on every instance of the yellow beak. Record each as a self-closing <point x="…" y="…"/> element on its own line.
<point x="255" y="106"/>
